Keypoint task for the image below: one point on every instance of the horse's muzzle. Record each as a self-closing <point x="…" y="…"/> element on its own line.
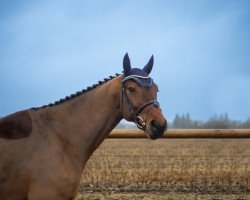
<point x="157" y="129"/>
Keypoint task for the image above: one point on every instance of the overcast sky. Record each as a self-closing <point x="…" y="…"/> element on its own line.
<point x="50" y="49"/>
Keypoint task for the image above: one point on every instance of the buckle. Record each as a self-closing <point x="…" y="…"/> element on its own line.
<point x="156" y="103"/>
<point x="138" y="120"/>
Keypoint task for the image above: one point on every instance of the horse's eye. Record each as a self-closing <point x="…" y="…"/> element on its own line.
<point x="131" y="89"/>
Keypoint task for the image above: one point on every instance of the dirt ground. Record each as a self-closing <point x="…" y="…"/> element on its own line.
<point x="168" y="169"/>
<point x="161" y="196"/>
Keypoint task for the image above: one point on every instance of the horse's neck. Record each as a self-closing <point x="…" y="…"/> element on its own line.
<point x="85" y="121"/>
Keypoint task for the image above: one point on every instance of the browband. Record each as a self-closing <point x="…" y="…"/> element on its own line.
<point x="144" y="81"/>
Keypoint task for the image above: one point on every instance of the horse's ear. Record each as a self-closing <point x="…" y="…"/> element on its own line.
<point x="148" y="67"/>
<point x="126" y="64"/>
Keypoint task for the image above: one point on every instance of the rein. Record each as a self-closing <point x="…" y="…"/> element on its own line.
<point x="138" y="120"/>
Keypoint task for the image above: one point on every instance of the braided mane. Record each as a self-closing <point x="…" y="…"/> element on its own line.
<point x="72" y="96"/>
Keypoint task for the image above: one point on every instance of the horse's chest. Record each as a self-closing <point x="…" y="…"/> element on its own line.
<point x="65" y="176"/>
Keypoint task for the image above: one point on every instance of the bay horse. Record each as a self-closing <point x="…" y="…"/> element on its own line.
<point x="43" y="150"/>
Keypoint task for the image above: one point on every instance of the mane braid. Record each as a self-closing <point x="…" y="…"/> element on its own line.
<point x="67" y="98"/>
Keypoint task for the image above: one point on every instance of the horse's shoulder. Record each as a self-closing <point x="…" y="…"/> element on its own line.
<point x="15" y="126"/>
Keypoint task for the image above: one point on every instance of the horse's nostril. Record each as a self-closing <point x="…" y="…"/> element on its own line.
<point x="153" y="123"/>
<point x="166" y="125"/>
<point x="159" y="128"/>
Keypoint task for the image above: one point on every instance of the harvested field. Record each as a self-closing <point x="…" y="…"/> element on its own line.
<point x="168" y="169"/>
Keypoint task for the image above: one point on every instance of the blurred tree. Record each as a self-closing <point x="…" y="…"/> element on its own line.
<point x="221" y="121"/>
<point x="246" y="124"/>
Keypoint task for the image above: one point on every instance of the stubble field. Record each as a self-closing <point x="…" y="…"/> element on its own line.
<point x="168" y="169"/>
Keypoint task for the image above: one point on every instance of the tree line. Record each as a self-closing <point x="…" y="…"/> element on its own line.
<point x="216" y="122"/>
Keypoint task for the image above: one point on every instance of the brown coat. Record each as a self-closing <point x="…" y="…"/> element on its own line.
<point x="49" y="162"/>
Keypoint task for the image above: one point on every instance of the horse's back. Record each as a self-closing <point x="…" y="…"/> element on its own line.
<point x="16" y="126"/>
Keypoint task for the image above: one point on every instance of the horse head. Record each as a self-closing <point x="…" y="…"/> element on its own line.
<point x="139" y="99"/>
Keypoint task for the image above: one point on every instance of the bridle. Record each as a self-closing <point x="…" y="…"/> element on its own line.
<point x="138" y="120"/>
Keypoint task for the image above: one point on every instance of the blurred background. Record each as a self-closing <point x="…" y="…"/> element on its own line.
<point x="50" y="49"/>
